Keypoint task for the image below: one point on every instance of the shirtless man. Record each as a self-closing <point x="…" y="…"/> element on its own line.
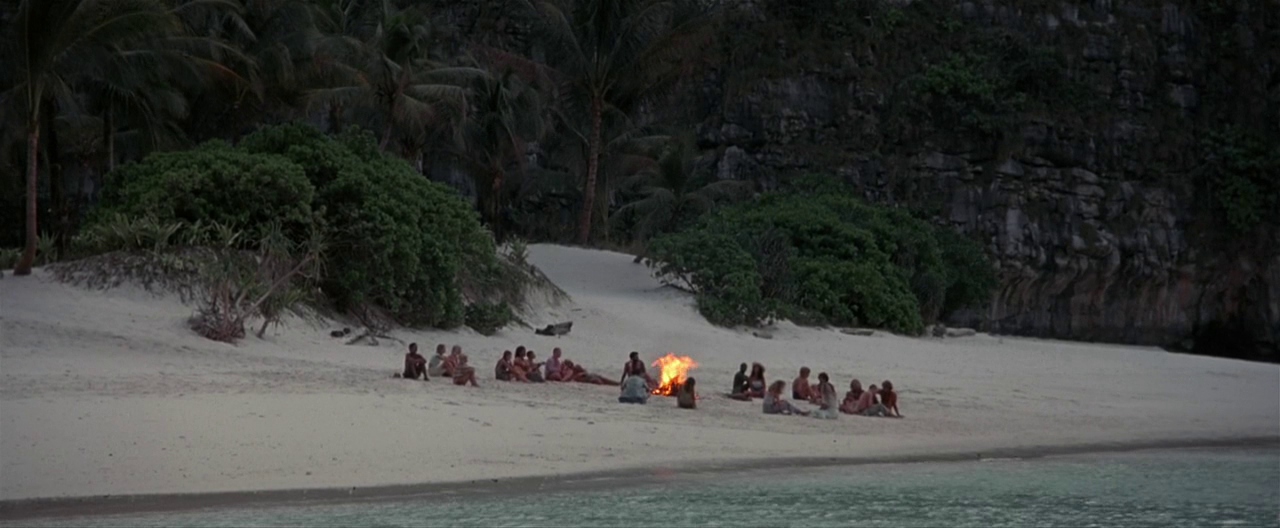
<point x="634" y="367"/>
<point x="868" y="406"/>
<point x="415" y="366"/>
<point x="464" y="373"/>
<point x="741" y="386"/>
<point x="889" y="399"/>
<point x="800" y="388"/>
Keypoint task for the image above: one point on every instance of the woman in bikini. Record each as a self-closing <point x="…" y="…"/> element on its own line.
<point x="755" y="381"/>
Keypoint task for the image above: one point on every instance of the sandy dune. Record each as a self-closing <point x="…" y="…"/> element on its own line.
<point x="109" y="393"/>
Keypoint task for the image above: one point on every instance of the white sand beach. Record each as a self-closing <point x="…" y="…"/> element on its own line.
<point x="109" y="393"/>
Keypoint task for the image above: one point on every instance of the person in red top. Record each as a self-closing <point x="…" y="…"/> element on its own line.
<point x="889" y="399"/>
<point x="415" y="366"/>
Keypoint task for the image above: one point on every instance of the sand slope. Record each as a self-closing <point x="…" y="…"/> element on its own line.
<point x="109" y="393"/>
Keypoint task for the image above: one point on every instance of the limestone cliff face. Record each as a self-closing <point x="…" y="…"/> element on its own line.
<point x="1087" y="199"/>
<point x="1090" y="217"/>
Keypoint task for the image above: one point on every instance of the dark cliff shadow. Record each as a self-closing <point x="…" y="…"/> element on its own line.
<point x="1227" y="339"/>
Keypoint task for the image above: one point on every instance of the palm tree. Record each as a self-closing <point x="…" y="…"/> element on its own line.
<point x="507" y="115"/>
<point x="391" y="72"/>
<point x="670" y="194"/>
<point x="611" y="55"/>
<point x="57" y="44"/>
<point x="257" y="55"/>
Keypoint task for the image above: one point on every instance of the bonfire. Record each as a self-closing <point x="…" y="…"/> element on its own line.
<point x="675" y="369"/>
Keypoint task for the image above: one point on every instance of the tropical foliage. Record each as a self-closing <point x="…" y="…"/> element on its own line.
<point x="823" y="257"/>
<point x="137" y="122"/>
<point x="403" y="240"/>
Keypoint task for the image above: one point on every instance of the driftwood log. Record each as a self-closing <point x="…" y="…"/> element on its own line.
<point x="557" y="329"/>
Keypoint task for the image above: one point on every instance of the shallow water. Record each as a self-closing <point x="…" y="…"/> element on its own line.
<point x="1192" y="488"/>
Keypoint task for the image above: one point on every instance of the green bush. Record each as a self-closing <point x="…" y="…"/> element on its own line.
<point x="9" y="257"/>
<point x="213" y="183"/>
<point x="815" y="254"/>
<point x="1242" y="174"/>
<point x="721" y="274"/>
<point x="488" y="318"/>
<point x="395" y="240"/>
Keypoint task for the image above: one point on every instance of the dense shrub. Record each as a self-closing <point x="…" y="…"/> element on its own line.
<point x="815" y="254"/>
<point x="487" y="318"/>
<point x="1241" y="172"/>
<point x="394" y="240"/>
<point x="213" y="183"/>
<point x="722" y="275"/>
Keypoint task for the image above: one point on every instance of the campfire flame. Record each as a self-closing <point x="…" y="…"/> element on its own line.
<point x="674" y="371"/>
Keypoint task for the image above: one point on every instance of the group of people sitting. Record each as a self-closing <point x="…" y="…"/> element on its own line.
<point x="636" y="384"/>
<point x="875" y="401"/>
<point x="523" y="366"/>
<point x="455" y="365"/>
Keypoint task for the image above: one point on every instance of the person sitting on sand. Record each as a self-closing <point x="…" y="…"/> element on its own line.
<point x="579" y="374"/>
<point x="553" y="365"/>
<point x="502" y="371"/>
<point x="535" y="368"/>
<point x="436" y="366"/>
<point x="464" y="373"/>
<point x="826" y="398"/>
<point x="634" y="367"/>
<point x="520" y="365"/>
<point x="889" y="399"/>
<point x="687" y="395"/>
<point x="740" y="385"/>
<point x="755" y="381"/>
<point x="800" y="388"/>
<point x="851" y="398"/>
<point x="868" y="404"/>
<point x="775" y="404"/>
<point x="415" y="366"/>
<point x="451" y="363"/>
<point x="634" y="390"/>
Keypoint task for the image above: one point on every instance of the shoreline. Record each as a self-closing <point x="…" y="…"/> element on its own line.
<point x="94" y="506"/>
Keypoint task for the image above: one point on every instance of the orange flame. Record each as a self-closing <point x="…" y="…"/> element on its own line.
<point x="674" y="370"/>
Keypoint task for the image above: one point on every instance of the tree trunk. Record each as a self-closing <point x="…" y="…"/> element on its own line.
<point x="57" y="185"/>
<point x="33" y="151"/>
<point x="593" y="166"/>
<point x="109" y="137"/>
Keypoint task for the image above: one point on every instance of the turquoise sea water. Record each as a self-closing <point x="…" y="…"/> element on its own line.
<point x="1191" y="488"/>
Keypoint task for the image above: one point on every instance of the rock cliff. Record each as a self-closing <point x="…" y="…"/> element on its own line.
<point x="1069" y="136"/>
<point x="1088" y="202"/>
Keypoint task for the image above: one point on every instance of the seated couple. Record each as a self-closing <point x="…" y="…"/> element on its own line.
<point x="875" y="401"/>
<point x="747" y="386"/>
<point x="452" y="366"/>
<point x="635" y="389"/>
<point x="523" y="367"/>
<point x="824" y="395"/>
